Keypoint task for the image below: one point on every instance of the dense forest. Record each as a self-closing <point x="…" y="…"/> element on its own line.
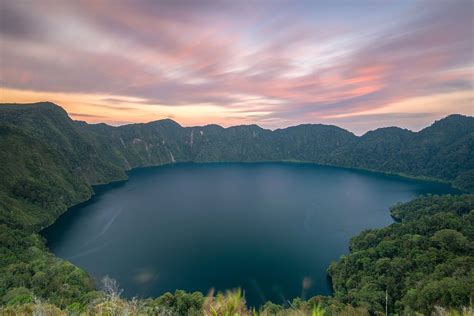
<point x="423" y="260"/>
<point x="49" y="162"/>
<point x="422" y="263"/>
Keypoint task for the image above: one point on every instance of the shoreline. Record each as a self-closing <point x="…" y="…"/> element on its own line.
<point x="99" y="188"/>
<point x="127" y="172"/>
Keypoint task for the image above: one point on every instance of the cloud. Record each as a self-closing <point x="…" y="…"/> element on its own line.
<point x="272" y="63"/>
<point x="84" y="115"/>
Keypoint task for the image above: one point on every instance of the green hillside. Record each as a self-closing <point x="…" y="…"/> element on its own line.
<point x="424" y="260"/>
<point x="422" y="263"/>
<point x="44" y="153"/>
<point x="49" y="163"/>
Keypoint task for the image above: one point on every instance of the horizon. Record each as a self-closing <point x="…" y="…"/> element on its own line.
<point x="359" y="66"/>
<point x="231" y="126"/>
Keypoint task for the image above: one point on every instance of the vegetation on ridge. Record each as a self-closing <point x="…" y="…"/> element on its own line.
<point x="48" y="163"/>
<point x="425" y="259"/>
<point x="43" y="153"/>
<point x="423" y="263"/>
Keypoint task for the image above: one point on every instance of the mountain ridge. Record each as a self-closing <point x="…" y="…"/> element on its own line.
<point x="53" y="105"/>
<point x="49" y="162"/>
<point x="77" y="155"/>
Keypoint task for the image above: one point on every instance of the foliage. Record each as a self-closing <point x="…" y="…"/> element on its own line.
<point x="424" y="260"/>
<point x="49" y="163"/>
<point x="223" y="304"/>
<point x="28" y="271"/>
<point x="465" y="181"/>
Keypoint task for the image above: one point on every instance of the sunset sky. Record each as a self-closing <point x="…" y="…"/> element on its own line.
<point x="356" y="64"/>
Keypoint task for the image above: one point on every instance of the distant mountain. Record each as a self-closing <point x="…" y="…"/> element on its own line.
<point x="48" y="162"/>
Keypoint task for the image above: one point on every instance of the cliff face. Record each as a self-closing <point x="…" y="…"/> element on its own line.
<point x="48" y="162"/>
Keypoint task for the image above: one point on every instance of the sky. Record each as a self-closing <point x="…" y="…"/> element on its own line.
<point x="356" y="64"/>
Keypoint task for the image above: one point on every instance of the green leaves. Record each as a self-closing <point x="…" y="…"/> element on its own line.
<point x="49" y="162"/>
<point x="424" y="261"/>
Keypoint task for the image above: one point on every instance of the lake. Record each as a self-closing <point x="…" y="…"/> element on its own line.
<point x="265" y="227"/>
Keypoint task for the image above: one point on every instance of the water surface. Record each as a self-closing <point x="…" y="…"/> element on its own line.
<point x="261" y="227"/>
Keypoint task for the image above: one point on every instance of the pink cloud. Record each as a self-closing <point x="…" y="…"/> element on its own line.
<point x="220" y="53"/>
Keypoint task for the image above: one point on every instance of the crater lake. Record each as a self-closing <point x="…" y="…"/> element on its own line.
<point x="271" y="229"/>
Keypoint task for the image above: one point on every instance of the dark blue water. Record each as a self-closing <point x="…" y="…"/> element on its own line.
<point x="261" y="227"/>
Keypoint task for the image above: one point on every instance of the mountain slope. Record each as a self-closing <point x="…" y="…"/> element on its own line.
<point x="48" y="163"/>
<point x="424" y="260"/>
<point x="74" y="155"/>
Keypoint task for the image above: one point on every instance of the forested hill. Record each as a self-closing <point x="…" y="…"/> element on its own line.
<point x="423" y="260"/>
<point x="48" y="162"/>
